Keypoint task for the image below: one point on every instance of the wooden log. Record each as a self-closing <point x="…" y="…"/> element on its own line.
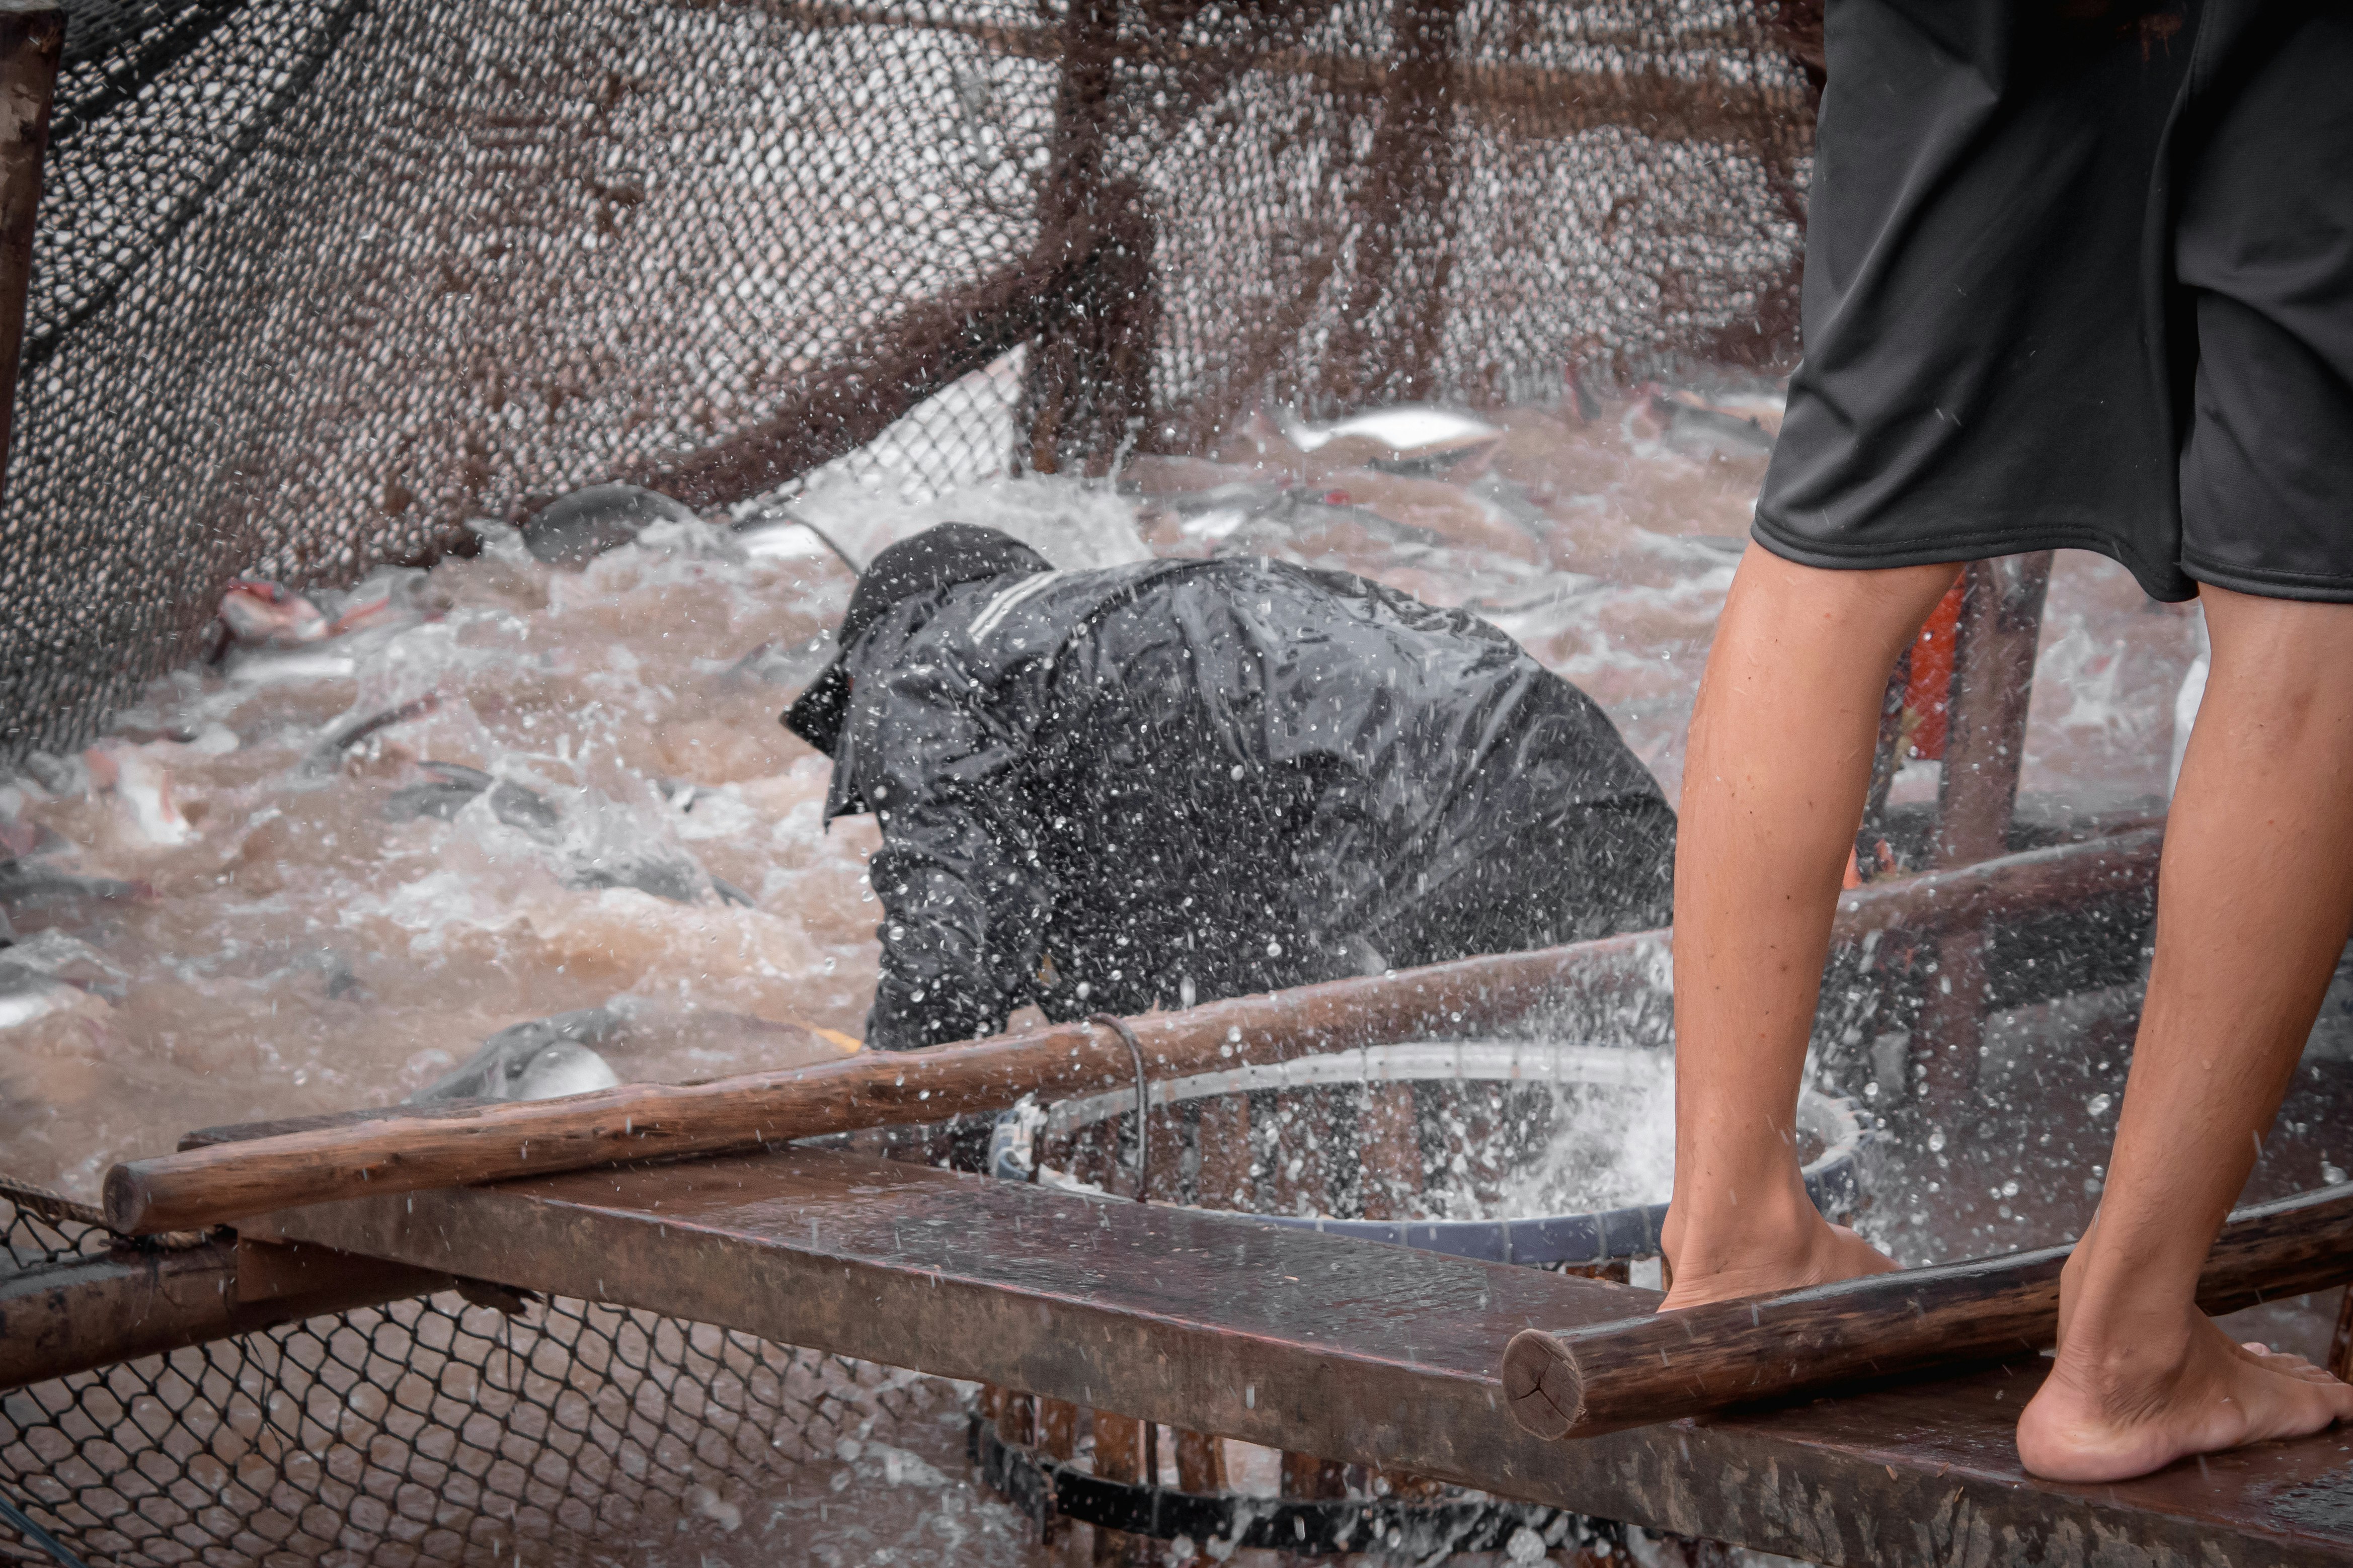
<point x="1124" y="1452"/>
<point x="32" y="37"/>
<point x="1058" y="1427"/>
<point x="1305" y="1476"/>
<point x="412" y="1148"/>
<point x="1985" y="746"/>
<point x="1388" y="1150"/>
<point x="1600" y="1378"/>
<point x="1993" y="682"/>
<point x="1200" y="1462"/>
<point x="89" y="1312"/>
<point x="1225" y="1181"/>
<point x="1302" y="1149"/>
<point x="878" y="379"/>
<point x="1524" y="99"/>
<point x="1016" y="1416"/>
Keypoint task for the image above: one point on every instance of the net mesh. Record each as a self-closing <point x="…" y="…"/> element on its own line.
<point x="316" y="280"/>
<point x="428" y="1431"/>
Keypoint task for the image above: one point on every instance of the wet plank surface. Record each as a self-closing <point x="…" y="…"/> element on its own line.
<point x="1345" y="1349"/>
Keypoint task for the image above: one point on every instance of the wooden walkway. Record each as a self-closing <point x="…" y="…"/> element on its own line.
<point x="1349" y="1349"/>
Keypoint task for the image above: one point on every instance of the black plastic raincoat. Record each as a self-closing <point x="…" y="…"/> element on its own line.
<point x="1174" y="780"/>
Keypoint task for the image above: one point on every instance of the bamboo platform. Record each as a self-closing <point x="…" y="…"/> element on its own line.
<point x="1349" y="1349"/>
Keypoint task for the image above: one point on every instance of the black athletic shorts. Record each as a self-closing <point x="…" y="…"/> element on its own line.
<point x="2080" y="273"/>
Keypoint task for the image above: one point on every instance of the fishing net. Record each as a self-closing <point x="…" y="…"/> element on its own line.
<point x="317" y="280"/>
<point x="430" y="1431"/>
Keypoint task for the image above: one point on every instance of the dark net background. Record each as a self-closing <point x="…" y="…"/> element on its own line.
<point x="317" y="280"/>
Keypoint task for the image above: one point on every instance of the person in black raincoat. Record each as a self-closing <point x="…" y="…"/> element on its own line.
<point x="1174" y="780"/>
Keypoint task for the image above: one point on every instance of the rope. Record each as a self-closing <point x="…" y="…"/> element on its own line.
<point x="49" y="1206"/>
<point x="1142" y="1106"/>
<point x="23" y="1524"/>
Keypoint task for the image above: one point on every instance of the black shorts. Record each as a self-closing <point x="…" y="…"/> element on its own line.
<point x="2080" y="274"/>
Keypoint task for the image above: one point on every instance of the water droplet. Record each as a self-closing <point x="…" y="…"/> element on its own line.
<point x="1936" y="1141"/>
<point x="2098" y="1104"/>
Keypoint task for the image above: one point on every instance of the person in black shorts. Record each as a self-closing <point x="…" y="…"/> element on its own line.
<point x="2078" y="274"/>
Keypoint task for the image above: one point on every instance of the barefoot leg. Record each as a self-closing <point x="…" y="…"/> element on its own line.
<point x="2257" y="893"/>
<point x="1779" y="759"/>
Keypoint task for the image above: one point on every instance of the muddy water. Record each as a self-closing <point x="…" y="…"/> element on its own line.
<point x="304" y="950"/>
<point x="302" y="937"/>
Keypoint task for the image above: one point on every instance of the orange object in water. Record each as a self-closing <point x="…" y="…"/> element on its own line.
<point x="1928" y="692"/>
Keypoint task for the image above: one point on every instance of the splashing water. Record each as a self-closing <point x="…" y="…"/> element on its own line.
<point x="1611" y="1146"/>
<point x="321" y="873"/>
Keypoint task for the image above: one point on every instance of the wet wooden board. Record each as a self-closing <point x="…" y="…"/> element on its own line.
<point x="85" y="1311"/>
<point x="1350" y="1350"/>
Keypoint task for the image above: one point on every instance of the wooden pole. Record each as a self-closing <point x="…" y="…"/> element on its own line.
<point x="1058" y="1427"/>
<point x="1225" y="1181"/>
<point x="1667" y="1365"/>
<point x="407" y="1148"/>
<point x="32" y="37"/>
<point x="1123" y="1453"/>
<point x="1985" y="744"/>
<point x="1388" y="1150"/>
<point x="1200" y="1463"/>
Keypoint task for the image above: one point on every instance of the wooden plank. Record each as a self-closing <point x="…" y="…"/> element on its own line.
<point x="401" y="1151"/>
<point x="92" y="1311"/>
<point x="1651" y="1368"/>
<point x="1370" y="1354"/>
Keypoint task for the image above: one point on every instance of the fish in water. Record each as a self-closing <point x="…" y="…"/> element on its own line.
<point x="27" y="993"/>
<point x="328" y="754"/>
<point x="49" y="973"/>
<point x="573" y="529"/>
<point x="1698" y="429"/>
<point x="455" y="786"/>
<point x="145" y="786"/>
<point x="452" y="786"/>
<point x="270" y="615"/>
<point x="794" y="665"/>
<point x="1409" y="439"/>
<point x="35" y="894"/>
<point x="538" y="1060"/>
<point x="21" y="837"/>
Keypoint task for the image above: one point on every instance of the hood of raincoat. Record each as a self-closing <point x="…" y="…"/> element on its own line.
<point x="939" y="557"/>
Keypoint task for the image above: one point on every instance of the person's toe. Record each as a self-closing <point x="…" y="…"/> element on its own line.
<point x="2285" y="1363"/>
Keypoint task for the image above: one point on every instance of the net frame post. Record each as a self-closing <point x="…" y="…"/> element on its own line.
<point x="1993" y="684"/>
<point x="1387" y="340"/>
<point x="32" y="40"/>
<point x="1086" y="391"/>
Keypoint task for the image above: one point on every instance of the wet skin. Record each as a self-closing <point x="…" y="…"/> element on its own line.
<point x="2258" y="873"/>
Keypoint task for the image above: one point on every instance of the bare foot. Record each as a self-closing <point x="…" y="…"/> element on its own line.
<point x="2110" y="1418"/>
<point x="1809" y="1251"/>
